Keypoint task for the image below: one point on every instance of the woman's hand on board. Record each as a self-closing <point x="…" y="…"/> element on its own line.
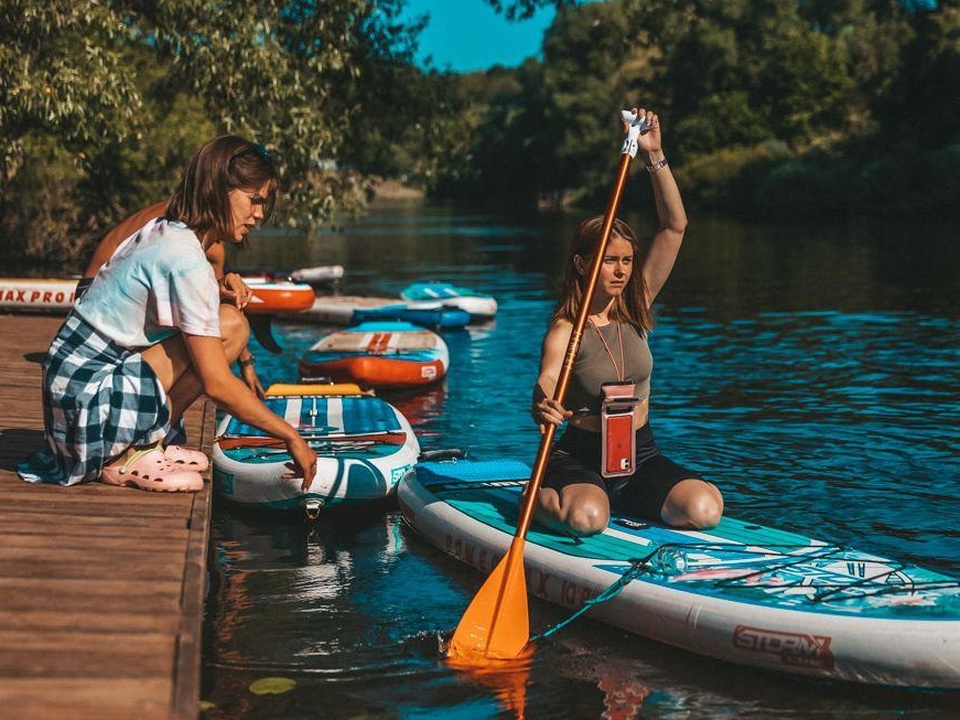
<point x="304" y="461"/>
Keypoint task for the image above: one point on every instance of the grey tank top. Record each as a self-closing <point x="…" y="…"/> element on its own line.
<point x="593" y="365"/>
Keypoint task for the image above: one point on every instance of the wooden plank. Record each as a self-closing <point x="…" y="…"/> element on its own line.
<point x="120" y="508"/>
<point x="161" y="618"/>
<point x="116" y="540"/>
<point x="186" y="695"/>
<point x="73" y="654"/>
<point x="82" y="563"/>
<point x="99" y="526"/>
<point x="85" y="699"/>
<point x="106" y="595"/>
<point x="40" y="493"/>
<point x="101" y="588"/>
<point x="55" y="521"/>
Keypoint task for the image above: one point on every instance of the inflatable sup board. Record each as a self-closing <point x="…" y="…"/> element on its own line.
<point x="364" y="446"/>
<point x="741" y="592"/>
<point x="379" y="355"/>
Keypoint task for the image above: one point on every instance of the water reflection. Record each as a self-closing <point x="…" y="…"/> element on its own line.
<point x="357" y="610"/>
<point x="425" y="410"/>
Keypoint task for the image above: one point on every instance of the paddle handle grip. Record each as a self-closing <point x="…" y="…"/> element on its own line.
<point x="636" y="126"/>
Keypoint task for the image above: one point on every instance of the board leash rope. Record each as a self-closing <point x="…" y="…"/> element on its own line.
<point x="637" y="568"/>
<point x="864" y="587"/>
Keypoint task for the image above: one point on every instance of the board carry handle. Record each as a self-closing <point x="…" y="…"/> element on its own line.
<point x="301" y="389"/>
<point x="385" y="437"/>
<point x="442" y="454"/>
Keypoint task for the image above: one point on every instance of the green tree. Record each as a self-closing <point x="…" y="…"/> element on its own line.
<point x="926" y="95"/>
<point x="770" y="106"/>
<point x="523" y="9"/>
<point x="503" y="143"/>
<point x="121" y="90"/>
<point x="586" y="83"/>
<point x="277" y="71"/>
<point x="62" y="74"/>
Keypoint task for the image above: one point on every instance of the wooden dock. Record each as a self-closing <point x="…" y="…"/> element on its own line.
<point x="101" y="588"/>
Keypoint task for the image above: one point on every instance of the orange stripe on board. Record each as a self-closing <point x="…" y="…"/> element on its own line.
<point x="378" y="344"/>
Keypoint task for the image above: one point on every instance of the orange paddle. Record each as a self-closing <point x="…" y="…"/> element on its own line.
<point x="496" y="625"/>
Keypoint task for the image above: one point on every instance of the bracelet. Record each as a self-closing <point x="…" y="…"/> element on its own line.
<point x="245" y="362"/>
<point x="656" y="167"/>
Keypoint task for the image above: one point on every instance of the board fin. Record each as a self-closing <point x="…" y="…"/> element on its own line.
<point x="260" y="327"/>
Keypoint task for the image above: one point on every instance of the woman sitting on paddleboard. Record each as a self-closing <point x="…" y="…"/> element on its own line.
<point x="607" y="456"/>
<point x="146" y="339"/>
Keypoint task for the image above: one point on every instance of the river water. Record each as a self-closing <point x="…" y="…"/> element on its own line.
<point x="812" y="372"/>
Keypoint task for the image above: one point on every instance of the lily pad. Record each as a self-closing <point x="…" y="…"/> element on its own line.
<point x="272" y="686"/>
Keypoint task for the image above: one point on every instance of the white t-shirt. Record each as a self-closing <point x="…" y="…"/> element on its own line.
<point x="157" y="282"/>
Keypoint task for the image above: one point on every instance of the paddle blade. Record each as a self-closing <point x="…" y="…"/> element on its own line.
<point x="496" y="625"/>
<point x="508" y="679"/>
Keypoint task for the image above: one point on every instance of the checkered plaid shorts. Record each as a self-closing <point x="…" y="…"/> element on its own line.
<point x="98" y="400"/>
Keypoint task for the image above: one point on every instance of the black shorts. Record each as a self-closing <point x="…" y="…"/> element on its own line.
<point x="575" y="458"/>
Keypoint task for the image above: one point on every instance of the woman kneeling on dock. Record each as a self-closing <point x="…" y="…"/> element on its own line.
<point x="150" y="335"/>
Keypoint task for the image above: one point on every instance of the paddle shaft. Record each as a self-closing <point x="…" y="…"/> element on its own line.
<point x="496" y="623"/>
<point x="573" y="346"/>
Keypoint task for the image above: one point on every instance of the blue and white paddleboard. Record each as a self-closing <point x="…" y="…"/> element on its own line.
<point x="428" y="315"/>
<point x="740" y="592"/>
<point x="352" y="309"/>
<point x="364" y="446"/>
<point x="480" y="307"/>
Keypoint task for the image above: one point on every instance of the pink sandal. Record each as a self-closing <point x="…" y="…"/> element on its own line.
<point x="186" y="458"/>
<point x="149" y="469"/>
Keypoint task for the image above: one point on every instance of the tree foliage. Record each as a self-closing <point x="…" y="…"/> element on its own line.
<point x="62" y="73"/>
<point x="785" y="91"/>
<point x="125" y="90"/>
<point x="103" y="101"/>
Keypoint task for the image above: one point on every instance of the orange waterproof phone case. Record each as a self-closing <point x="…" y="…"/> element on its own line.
<point x="618" y="440"/>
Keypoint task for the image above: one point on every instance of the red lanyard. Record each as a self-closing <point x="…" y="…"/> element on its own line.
<point x="621" y="371"/>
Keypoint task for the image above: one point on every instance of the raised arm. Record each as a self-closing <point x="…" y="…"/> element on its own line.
<point x="672" y="218"/>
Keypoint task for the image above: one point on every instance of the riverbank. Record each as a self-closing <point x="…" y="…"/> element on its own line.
<point x="388" y="189"/>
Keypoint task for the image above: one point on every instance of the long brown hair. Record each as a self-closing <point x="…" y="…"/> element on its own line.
<point x="631" y="306"/>
<point x="201" y="200"/>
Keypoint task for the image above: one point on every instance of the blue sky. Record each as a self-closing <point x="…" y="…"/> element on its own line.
<point x="467" y="35"/>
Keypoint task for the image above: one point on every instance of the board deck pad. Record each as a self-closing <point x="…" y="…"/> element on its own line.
<point x="318" y="416"/>
<point x="739" y="561"/>
<point x="379" y="354"/>
<point x="367" y="340"/>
